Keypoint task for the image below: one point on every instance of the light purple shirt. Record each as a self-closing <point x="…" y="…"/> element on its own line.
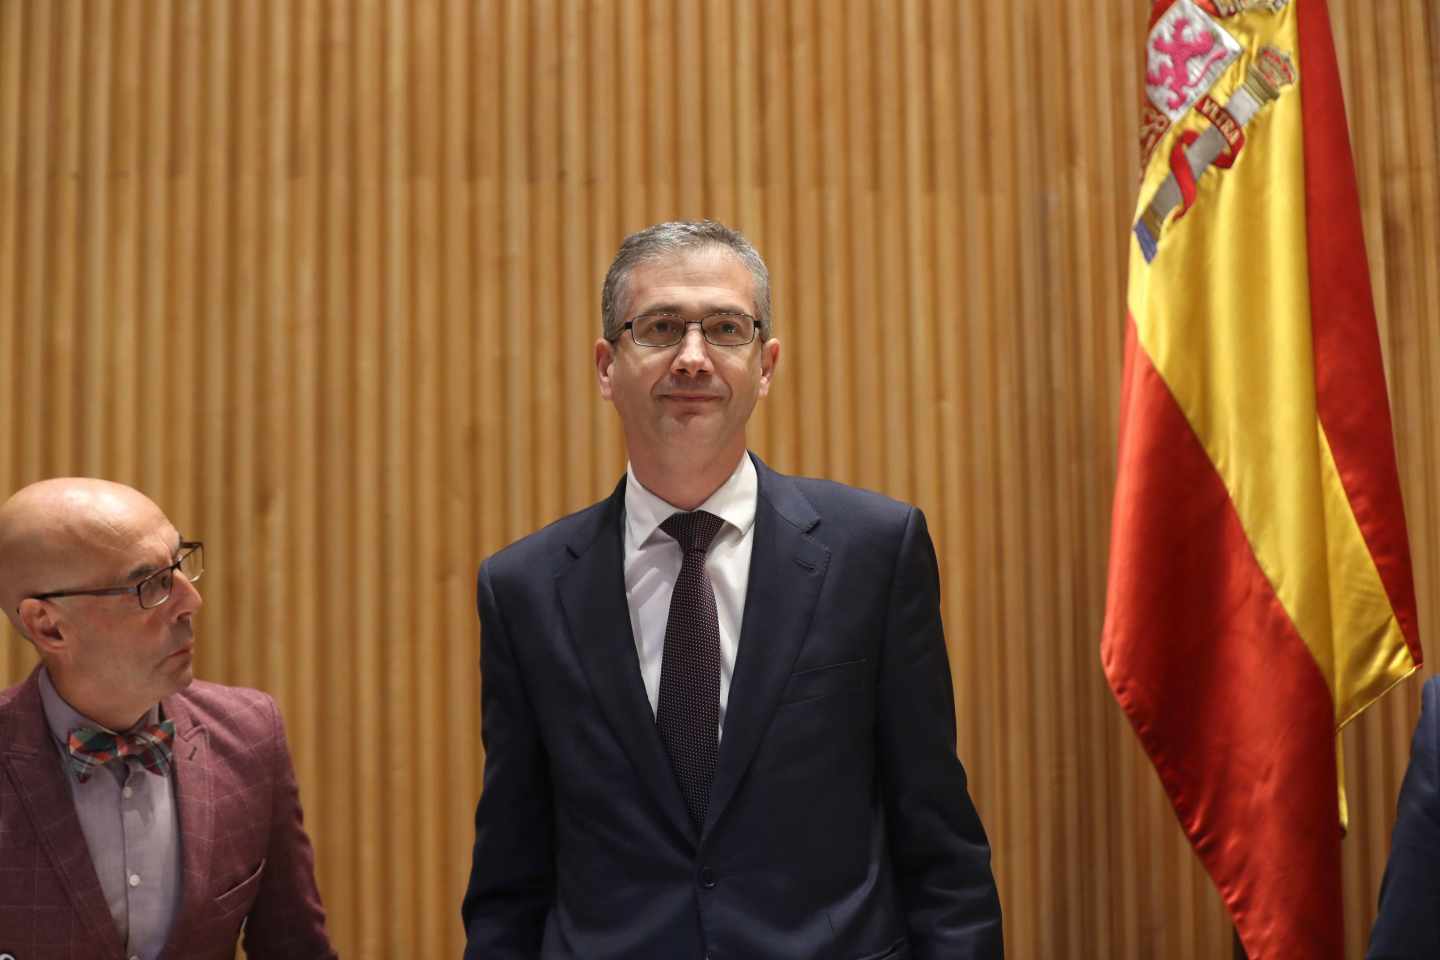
<point x="129" y="820"/>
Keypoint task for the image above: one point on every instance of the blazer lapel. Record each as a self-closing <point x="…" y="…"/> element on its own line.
<point x="190" y="767"/>
<point x="592" y="593"/>
<point x="787" y="569"/>
<point x="30" y="759"/>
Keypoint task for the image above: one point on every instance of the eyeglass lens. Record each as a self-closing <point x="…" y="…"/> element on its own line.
<point x="155" y="589"/>
<point x="721" y="329"/>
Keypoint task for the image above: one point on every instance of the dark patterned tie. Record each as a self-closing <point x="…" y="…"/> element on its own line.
<point x="688" y="713"/>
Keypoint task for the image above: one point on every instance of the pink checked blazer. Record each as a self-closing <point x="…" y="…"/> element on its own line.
<point x="245" y="855"/>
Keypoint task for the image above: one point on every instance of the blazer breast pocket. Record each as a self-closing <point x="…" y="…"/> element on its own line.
<point x="849" y="676"/>
<point x="239" y="897"/>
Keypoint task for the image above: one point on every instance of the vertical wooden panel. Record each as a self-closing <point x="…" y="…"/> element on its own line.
<point x="395" y="766"/>
<point x="11" y="60"/>
<point x="323" y="277"/>
<point x="65" y="219"/>
<point x="340" y="612"/>
<point x="30" y="128"/>
<point x="370" y="833"/>
<point x="298" y="429"/>
<point x="574" y="306"/>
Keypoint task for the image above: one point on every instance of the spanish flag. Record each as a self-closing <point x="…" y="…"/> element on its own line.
<point x="1260" y="590"/>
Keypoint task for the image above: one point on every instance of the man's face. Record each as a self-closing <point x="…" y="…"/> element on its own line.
<point x="692" y="397"/>
<point x="111" y="643"/>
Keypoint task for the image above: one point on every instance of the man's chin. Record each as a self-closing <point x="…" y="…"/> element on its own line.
<point x="696" y="441"/>
<point x="180" y="681"/>
<point x="181" y="670"/>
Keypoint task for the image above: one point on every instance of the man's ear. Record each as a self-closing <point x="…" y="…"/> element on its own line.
<point x="769" y="357"/>
<point x="38" y="622"/>
<point x="604" y="363"/>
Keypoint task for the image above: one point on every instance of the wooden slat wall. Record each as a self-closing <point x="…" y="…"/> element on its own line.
<point x="323" y="277"/>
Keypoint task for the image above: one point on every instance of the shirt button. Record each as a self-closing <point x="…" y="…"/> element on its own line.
<point x="707" y="878"/>
<point x="134" y="879"/>
<point x="127" y="792"/>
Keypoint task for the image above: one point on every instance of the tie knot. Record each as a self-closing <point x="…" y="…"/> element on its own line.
<point x="693" y="531"/>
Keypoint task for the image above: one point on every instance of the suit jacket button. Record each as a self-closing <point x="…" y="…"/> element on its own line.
<point x="707" y="878"/>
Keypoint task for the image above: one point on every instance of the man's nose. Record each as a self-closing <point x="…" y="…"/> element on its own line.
<point x="184" y="595"/>
<point x="693" y="355"/>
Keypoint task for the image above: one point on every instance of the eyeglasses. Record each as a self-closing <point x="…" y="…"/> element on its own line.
<point x="668" y="329"/>
<point x="155" y="588"/>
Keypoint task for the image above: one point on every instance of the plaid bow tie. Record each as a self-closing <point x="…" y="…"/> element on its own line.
<point x="92" y="748"/>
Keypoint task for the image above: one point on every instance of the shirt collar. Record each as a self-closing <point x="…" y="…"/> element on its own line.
<point x="62" y="718"/>
<point x="733" y="503"/>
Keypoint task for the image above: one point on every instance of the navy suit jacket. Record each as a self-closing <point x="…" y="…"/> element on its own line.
<point x="840" y="825"/>
<point x="1409" y="921"/>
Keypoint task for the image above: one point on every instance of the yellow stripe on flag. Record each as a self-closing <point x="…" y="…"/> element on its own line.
<point x="1370" y="654"/>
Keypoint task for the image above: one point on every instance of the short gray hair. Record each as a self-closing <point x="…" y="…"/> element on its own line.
<point x="667" y="239"/>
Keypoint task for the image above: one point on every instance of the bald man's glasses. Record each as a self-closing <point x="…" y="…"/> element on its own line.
<point x="155" y="588"/>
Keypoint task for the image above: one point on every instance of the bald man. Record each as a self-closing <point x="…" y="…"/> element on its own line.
<point x="143" y="814"/>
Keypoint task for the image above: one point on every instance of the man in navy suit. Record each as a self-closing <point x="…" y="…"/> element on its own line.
<point x="1408" y="925"/>
<point x="717" y="710"/>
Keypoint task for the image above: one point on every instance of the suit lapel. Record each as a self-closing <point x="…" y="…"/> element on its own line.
<point x="196" y="813"/>
<point x="592" y="593"/>
<point x="30" y="760"/>
<point x="787" y="569"/>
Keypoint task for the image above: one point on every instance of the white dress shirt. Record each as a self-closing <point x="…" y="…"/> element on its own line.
<point x="652" y="562"/>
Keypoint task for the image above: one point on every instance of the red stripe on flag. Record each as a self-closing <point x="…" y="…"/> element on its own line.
<point x="1225" y="696"/>
<point x="1349" y="372"/>
<point x="1158" y="10"/>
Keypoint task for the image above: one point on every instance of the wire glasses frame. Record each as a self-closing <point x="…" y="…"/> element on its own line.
<point x="155" y="588"/>
<point x="668" y="329"/>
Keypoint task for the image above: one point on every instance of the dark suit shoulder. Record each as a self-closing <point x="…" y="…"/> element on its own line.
<point x="829" y="496"/>
<point x="838" y="514"/>
<point x="539" y="552"/>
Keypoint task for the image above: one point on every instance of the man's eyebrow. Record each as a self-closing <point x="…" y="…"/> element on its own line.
<point x="678" y="310"/>
<point x="145" y="569"/>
